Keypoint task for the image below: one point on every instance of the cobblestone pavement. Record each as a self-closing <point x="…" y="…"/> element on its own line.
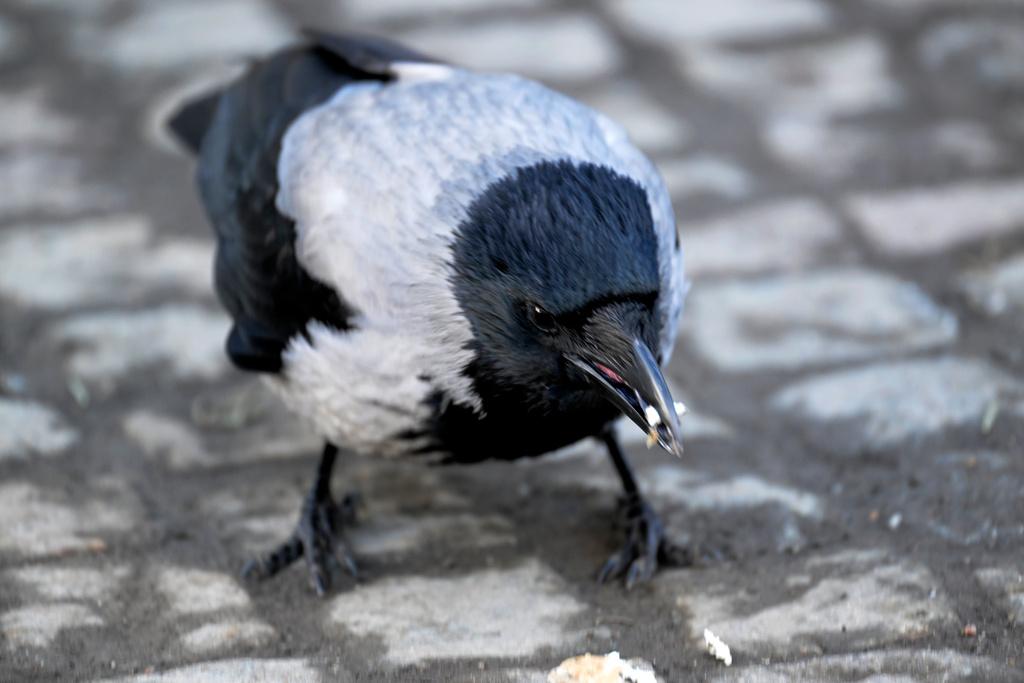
<point x="850" y="182"/>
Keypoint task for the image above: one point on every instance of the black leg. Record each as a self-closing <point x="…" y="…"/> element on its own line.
<point x="622" y="465"/>
<point x="317" y="536"/>
<point x="637" y="560"/>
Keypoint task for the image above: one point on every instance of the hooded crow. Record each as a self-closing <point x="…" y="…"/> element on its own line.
<point x="427" y="261"/>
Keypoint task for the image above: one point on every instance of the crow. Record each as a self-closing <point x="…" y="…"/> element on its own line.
<point x="429" y="261"/>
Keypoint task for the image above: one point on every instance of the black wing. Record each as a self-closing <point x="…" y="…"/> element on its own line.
<point x="238" y="134"/>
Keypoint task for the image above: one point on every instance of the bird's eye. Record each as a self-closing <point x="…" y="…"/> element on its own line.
<point x="543" y="320"/>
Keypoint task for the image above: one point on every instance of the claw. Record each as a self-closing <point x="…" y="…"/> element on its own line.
<point x="315" y="562"/>
<point x="317" y="539"/>
<point x="611" y="569"/>
<point x="637" y="560"/>
<point x="344" y="559"/>
<point x="251" y="569"/>
<point x="319" y="580"/>
<point x="634" y="574"/>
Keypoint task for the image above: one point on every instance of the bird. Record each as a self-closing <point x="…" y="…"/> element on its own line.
<point x="430" y="261"/>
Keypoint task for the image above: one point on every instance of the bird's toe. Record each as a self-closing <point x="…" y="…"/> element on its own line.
<point x="324" y="542"/>
<point x="641" y="569"/>
<point x="317" y="538"/>
<point x="269" y="564"/>
<point x="637" y="560"/>
<point x="614" y="566"/>
<point x="316" y="563"/>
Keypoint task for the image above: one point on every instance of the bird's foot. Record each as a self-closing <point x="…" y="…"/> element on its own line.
<point x="645" y="545"/>
<point x="317" y="537"/>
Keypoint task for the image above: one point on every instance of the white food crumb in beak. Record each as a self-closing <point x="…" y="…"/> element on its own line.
<point x="681" y="409"/>
<point x="653" y="419"/>
<point x="651" y="413"/>
<point x="718" y="649"/>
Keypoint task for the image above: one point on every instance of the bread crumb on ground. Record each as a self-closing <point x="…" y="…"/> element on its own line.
<point x="609" y="668"/>
<point x="718" y="649"/>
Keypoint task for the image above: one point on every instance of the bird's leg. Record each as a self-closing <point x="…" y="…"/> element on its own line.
<point x="637" y="560"/>
<point x="317" y="536"/>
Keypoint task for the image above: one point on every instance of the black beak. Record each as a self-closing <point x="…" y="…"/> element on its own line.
<point x="636" y="386"/>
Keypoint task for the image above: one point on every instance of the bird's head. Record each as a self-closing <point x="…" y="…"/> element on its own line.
<point x="556" y="268"/>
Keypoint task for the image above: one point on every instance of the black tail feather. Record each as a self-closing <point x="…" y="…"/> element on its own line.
<point x="190" y="123"/>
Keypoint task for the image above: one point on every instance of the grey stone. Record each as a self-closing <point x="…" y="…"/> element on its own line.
<point x="192" y="591"/>
<point x="29" y="428"/>
<point x="233" y="671"/>
<point x="991" y="460"/>
<point x="13" y="383"/>
<point x="389" y="10"/>
<point x="258" y="532"/>
<point x="698" y="426"/>
<point x="109" y="344"/>
<point x="38" y="524"/>
<point x="898" y="400"/>
<point x="990" y="49"/>
<point x="797" y="320"/>
<point x="997" y="289"/>
<point x="264" y="513"/>
<point x="970" y="142"/>
<point x="917" y="6"/>
<point x="674" y="22"/>
<point x="39" y="625"/>
<point x="677" y="485"/>
<point x="705" y="174"/>
<point x="494" y="613"/>
<point x="584" y="48"/>
<point x="166" y="439"/>
<point x="747" y="491"/>
<point x="649" y="124"/>
<point x="837" y="151"/>
<point x="380" y="532"/>
<point x="1006" y="585"/>
<point x="1013" y="119"/>
<point x="926" y="220"/>
<point x="867" y="604"/>
<point x="25" y="119"/>
<point x="91" y="9"/>
<point x="233" y="407"/>
<point x="8" y="40"/>
<point x="272" y="435"/>
<point x="781" y="235"/>
<point x="813" y="146"/>
<point x="525" y="676"/>
<point x="152" y="36"/>
<point x="224" y="635"/>
<point x="70" y="583"/>
<point x="848" y="76"/>
<point x="888" y="666"/>
<point x="47" y="182"/>
<point x="109" y="259"/>
<point x="397" y="534"/>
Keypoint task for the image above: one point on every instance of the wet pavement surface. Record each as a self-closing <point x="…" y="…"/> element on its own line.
<point x="849" y="178"/>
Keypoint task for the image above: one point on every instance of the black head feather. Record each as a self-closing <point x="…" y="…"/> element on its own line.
<point x="546" y="255"/>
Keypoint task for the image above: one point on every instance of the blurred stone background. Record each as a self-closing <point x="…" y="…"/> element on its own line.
<point x="849" y="178"/>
